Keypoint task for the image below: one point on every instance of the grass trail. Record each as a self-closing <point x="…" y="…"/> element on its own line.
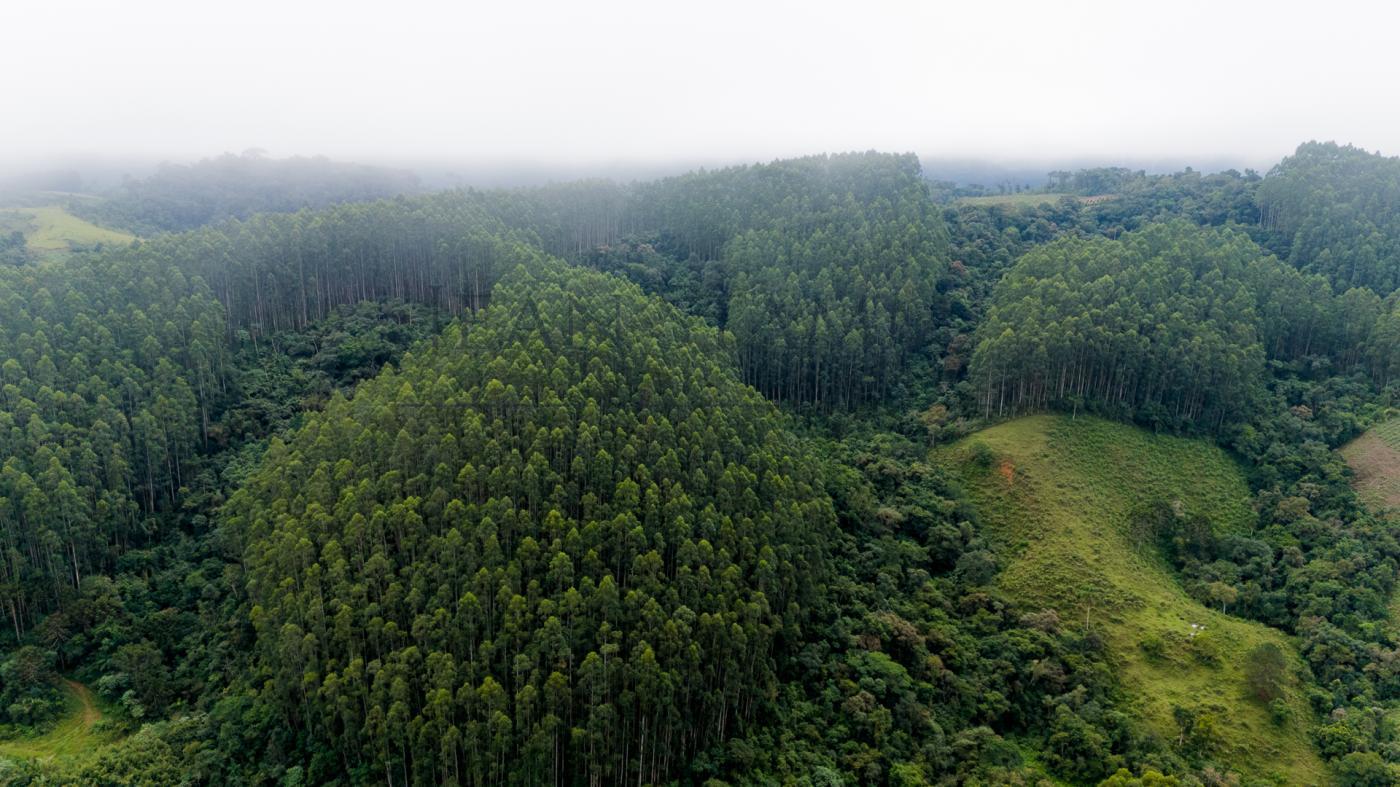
<point x="74" y="735"/>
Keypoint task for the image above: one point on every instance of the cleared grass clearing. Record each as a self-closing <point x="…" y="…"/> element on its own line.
<point x="1375" y="461"/>
<point x="1056" y="494"/>
<point x="50" y="230"/>
<point x="75" y="735"/>
<point x="1015" y="200"/>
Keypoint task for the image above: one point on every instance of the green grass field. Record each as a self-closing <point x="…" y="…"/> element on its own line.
<point x="1056" y="498"/>
<point x="1375" y="460"/>
<point x="52" y="231"/>
<point x="75" y="735"/>
<point x="1014" y="200"/>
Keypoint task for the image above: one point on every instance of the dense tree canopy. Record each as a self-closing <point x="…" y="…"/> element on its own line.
<point x="1334" y="211"/>
<point x="563" y="541"/>
<point x="1160" y="324"/>
<point x="109" y="371"/>
<point x="825" y="269"/>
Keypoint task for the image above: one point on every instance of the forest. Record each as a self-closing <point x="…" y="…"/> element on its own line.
<point x="720" y="478"/>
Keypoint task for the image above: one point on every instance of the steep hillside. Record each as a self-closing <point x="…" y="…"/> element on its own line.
<point x="1061" y="495"/>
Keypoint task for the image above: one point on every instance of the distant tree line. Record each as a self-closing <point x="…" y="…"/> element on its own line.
<point x="181" y="197"/>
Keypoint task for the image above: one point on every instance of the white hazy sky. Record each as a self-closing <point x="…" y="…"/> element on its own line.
<point x="655" y="80"/>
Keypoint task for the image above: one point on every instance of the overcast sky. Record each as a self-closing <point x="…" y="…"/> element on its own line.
<point x="661" y="80"/>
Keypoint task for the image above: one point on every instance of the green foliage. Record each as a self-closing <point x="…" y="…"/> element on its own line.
<point x="282" y="272"/>
<point x="29" y="688"/>
<point x="1199" y="729"/>
<point x="294" y="371"/>
<point x="826" y="269"/>
<point x="827" y="308"/>
<point x="48" y="232"/>
<point x="1154" y="646"/>
<point x="14" y="250"/>
<point x="162" y="753"/>
<point x="1204" y="647"/>
<point x="1149" y="778"/>
<point x="565" y="541"/>
<point x="915" y="669"/>
<point x="1365" y="769"/>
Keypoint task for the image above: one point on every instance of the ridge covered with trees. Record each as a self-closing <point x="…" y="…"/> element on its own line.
<point x="562" y="543"/>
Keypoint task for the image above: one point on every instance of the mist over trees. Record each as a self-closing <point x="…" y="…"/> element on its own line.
<point x="182" y="197"/>
<point x="602" y="483"/>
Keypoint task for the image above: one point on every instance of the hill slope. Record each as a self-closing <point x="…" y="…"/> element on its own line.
<point x="1058" y="494"/>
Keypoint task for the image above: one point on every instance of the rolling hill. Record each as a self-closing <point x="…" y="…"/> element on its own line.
<point x="1056" y="495"/>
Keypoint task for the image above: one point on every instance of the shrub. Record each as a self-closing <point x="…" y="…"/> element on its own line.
<point x="1154" y="647"/>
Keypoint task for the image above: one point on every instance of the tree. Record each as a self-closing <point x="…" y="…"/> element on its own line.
<point x="1264" y="672"/>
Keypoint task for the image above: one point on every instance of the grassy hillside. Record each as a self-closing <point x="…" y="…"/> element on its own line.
<point x="1056" y="495"/>
<point x="50" y="230"/>
<point x="1375" y="459"/>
